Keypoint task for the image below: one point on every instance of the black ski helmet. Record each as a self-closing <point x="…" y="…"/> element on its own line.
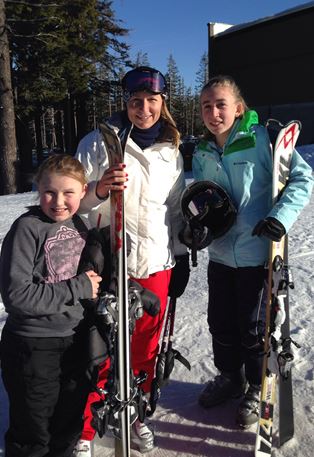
<point x="208" y="210"/>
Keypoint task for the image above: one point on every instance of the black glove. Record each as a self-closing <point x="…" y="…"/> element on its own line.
<point x="96" y="253"/>
<point x="271" y="228"/>
<point x="179" y="276"/>
<point x="92" y="257"/>
<point x="150" y="301"/>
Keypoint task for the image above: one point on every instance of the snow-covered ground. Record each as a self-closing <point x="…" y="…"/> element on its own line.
<point x="183" y="428"/>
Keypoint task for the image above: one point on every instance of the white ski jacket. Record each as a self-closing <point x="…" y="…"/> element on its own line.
<point x="152" y="200"/>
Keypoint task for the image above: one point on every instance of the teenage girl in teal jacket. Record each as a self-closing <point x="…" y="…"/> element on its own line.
<point x="237" y="156"/>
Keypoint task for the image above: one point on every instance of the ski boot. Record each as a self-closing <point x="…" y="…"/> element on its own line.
<point x="224" y="386"/>
<point x="248" y="411"/>
<point x="142" y="437"/>
<point x="82" y="449"/>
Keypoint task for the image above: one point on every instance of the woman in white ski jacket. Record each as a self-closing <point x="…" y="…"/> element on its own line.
<point x="152" y="178"/>
<point x="152" y="198"/>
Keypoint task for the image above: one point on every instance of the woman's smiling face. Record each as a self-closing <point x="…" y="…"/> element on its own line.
<point x="144" y="109"/>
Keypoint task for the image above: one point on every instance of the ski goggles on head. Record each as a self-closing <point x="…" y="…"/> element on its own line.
<point x="143" y="79"/>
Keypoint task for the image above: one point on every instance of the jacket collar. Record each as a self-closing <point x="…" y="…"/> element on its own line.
<point x="242" y="136"/>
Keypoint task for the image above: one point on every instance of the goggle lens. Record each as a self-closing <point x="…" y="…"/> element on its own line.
<point x="136" y="80"/>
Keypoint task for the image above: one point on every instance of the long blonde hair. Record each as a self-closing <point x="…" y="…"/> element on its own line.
<point x="170" y="132"/>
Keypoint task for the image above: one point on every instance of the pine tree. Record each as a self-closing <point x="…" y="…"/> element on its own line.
<point x="202" y="77"/>
<point x="173" y="80"/>
<point x="141" y="59"/>
<point x="8" y="152"/>
<point x="202" y="73"/>
<point x="62" y="53"/>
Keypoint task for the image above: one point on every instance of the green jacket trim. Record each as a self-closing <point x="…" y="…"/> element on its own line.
<point x="244" y="137"/>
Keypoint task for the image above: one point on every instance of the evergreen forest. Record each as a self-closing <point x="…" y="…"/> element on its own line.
<point x="61" y="64"/>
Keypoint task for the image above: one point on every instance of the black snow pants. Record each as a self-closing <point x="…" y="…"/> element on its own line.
<point x="236" y="318"/>
<point x="47" y="389"/>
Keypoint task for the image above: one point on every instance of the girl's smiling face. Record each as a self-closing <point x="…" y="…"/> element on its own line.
<point x="219" y="109"/>
<point x="60" y="195"/>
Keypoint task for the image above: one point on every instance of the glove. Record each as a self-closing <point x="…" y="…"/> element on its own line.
<point x="271" y="228"/>
<point x="96" y="253"/>
<point x="179" y="276"/>
<point x="150" y="301"/>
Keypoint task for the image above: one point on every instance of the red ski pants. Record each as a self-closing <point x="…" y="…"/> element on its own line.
<point x="144" y="344"/>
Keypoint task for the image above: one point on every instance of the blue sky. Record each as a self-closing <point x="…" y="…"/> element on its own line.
<point x="179" y="27"/>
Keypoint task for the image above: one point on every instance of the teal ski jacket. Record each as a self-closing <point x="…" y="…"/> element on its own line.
<point x="243" y="167"/>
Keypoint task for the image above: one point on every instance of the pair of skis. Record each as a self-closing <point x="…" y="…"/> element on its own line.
<point x="122" y="374"/>
<point x="278" y="352"/>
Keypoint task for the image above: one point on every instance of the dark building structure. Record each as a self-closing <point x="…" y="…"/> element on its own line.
<point x="272" y="60"/>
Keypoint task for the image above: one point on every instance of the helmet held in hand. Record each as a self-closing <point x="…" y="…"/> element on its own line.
<point x="209" y="213"/>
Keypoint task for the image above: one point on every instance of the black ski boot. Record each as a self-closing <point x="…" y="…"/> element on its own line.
<point x="248" y="411"/>
<point x="224" y="386"/>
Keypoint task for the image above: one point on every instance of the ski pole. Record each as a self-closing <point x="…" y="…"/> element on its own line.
<point x="160" y="366"/>
<point x="172" y="354"/>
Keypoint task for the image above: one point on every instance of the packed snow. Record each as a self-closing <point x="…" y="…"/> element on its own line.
<point x="182" y="428"/>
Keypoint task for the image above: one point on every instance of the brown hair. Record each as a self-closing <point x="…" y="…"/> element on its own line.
<point x="62" y="164"/>
<point x="227" y="81"/>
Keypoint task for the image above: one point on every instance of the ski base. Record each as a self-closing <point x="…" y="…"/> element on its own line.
<point x="286" y="422"/>
<point x="286" y="416"/>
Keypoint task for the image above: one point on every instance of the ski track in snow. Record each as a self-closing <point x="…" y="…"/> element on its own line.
<point x="183" y="428"/>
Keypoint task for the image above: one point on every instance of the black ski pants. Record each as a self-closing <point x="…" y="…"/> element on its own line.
<point x="236" y="318"/>
<point x="47" y="389"/>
